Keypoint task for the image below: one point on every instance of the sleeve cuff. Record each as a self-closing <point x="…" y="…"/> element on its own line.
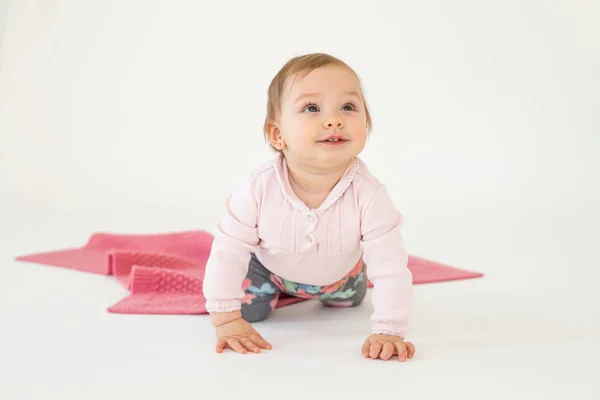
<point x="382" y="328"/>
<point x="223" y="305"/>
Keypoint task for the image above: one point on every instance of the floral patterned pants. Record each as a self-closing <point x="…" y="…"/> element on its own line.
<point x="263" y="288"/>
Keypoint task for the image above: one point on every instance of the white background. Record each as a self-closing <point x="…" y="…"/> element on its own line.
<point x="142" y="116"/>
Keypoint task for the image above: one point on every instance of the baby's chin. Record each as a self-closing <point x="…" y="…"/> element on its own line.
<point x="329" y="158"/>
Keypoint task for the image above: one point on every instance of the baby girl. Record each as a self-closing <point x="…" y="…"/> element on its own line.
<point x="313" y="222"/>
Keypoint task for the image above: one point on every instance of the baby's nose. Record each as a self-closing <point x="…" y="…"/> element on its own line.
<point x="334" y="122"/>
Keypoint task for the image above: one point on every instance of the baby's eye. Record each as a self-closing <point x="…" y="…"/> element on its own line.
<point x="311" y="108"/>
<point x="348" y="107"/>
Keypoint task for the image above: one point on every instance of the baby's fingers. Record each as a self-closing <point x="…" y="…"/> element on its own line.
<point x="410" y="348"/>
<point x="249" y="345"/>
<point x="375" y="350"/>
<point x="388" y="351"/>
<point x="401" y="349"/>
<point x="365" y="348"/>
<point x="260" y="341"/>
<point x="236" y="345"/>
<point x="221" y="344"/>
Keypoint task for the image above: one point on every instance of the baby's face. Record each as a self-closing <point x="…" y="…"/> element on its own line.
<point x="323" y="120"/>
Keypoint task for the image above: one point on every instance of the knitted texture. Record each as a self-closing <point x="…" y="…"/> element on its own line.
<point x="163" y="272"/>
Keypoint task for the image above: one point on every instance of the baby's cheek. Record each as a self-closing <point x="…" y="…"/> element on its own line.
<point x="304" y="139"/>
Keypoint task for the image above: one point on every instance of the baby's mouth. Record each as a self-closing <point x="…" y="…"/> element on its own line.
<point x="334" y="139"/>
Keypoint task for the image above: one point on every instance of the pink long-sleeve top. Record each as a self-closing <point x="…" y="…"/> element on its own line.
<point x="314" y="246"/>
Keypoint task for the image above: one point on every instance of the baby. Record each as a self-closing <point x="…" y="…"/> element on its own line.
<point x="313" y="222"/>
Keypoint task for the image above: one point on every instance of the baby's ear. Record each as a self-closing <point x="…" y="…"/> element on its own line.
<point x="273" y="135"/>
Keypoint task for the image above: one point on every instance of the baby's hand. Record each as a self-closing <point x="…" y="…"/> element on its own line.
<point x="240" y="336"/>
<point x="386" y="346"/>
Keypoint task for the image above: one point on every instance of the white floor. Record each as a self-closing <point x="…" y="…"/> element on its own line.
<point x="519" y="333"/>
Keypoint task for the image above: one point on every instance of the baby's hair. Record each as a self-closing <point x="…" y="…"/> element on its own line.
<point x="302" y="66"/>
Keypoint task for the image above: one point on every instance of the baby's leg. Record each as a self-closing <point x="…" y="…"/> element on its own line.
<point x="350" y="291"/>
<point x="261" y="293"/>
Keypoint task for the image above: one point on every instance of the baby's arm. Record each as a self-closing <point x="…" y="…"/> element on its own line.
<point x="235" y="239"/>
<point x="386" y="261"/>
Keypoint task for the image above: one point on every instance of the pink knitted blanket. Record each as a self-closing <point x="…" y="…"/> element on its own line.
<point x="163" y="272"/>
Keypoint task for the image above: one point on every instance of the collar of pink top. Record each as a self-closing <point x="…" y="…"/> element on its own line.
<point x="281" y="171"/>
